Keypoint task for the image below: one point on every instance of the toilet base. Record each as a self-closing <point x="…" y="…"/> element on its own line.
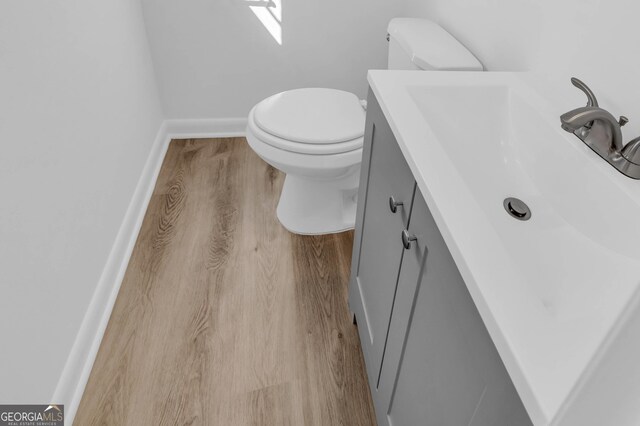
<point x="314" y="207"/>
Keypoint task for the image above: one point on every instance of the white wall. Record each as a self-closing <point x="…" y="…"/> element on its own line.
<point x="79" y="111"/>
<point x="595" y="40"/>
<point x="215" y="59"/>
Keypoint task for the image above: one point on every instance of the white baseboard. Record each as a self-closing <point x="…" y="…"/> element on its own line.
<point x="206" y="128"/>
<point x="78" y="367"/>
<point x="85" y="348"/>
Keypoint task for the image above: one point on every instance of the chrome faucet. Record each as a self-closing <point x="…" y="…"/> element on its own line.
<point x="600" y="131"/>
<point x="589" y="117"/>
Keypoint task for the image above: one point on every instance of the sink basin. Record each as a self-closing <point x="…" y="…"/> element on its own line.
<point x="502" y="146"/>
<point x="554" y="290"/>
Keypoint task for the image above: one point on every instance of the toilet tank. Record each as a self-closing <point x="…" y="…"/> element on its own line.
<point x="420" y="44"/>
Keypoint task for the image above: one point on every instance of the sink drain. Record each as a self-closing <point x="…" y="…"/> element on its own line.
<point x="517" y="208"/>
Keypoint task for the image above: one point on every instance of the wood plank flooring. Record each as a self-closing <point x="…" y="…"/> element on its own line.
<point x="223" y="317"/>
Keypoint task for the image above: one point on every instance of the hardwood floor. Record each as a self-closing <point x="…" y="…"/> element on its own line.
<point x="223" y="317"/>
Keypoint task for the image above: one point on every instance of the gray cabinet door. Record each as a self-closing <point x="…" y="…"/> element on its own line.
<point x="440" y="367"/>
<point x="378" y="247"/>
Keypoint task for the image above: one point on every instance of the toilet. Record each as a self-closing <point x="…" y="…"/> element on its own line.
<point x="315" y="135"/>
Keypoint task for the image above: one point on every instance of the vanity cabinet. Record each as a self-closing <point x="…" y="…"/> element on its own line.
<point x="430" y="360"/>
<point x="391" y="192"/>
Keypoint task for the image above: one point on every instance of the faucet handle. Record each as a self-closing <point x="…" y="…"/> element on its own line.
<point x="631" y="151"/>
<point x="623" y="120"/>
<point x="592" y="101"/>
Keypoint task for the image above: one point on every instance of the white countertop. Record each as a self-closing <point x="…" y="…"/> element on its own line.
<point x="550" y="293"/>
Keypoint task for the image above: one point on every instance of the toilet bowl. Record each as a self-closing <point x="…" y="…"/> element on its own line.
<point x="315" y="136"/>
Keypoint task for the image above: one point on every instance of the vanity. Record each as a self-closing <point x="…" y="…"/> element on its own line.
<point x="479" y="301"/>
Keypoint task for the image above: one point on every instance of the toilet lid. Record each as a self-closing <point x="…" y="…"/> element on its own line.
<point x="312" y="115"/>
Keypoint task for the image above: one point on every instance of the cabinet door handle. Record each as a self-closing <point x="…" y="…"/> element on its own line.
<point x="393" y="204"/>
<point x="406" y="239"/>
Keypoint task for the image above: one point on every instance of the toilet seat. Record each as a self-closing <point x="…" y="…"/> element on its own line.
<point x="310" y="121"/>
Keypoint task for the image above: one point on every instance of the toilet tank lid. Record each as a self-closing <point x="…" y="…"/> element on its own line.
<point x="430" y="47"/>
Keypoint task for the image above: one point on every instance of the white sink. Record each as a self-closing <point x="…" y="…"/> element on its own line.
<point x="555" y="290"/>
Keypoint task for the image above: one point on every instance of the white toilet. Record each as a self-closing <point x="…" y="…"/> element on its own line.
<point x="315" y="135"/>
